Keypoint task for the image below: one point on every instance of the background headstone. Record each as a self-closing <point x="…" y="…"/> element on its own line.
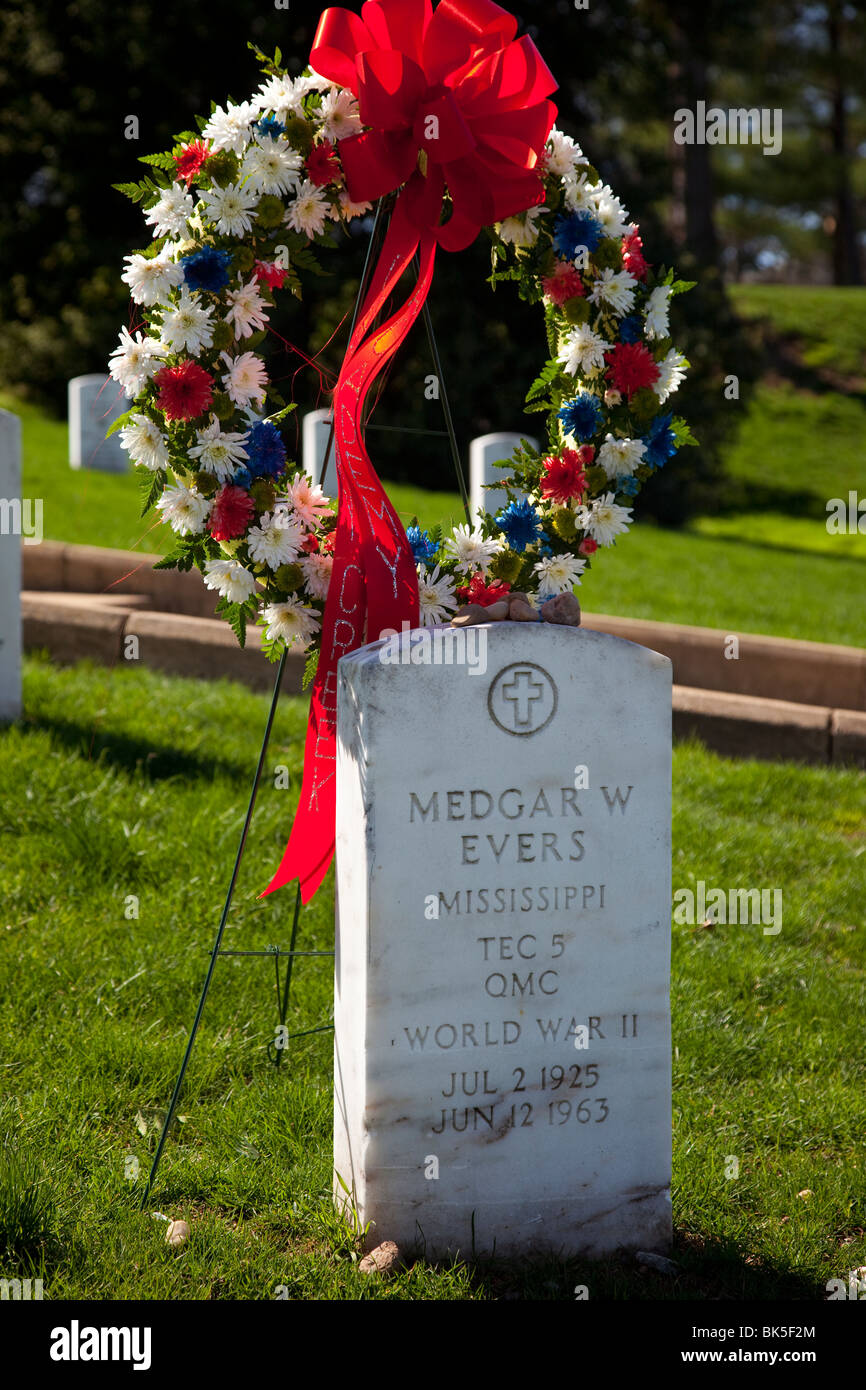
<point x="10" y="566"/>
<point x="483" y="453"/>
<point x="317" y="430"/>
<point x="502" y="1015"/>
<point x="95" y="402"/>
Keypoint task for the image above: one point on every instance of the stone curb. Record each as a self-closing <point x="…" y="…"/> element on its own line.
<point x="99" y="626"/>
<point x="773" y="668"/>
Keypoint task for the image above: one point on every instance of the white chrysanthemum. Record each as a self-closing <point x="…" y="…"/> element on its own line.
<point x="230" y="579"/>
<point x="616" y="288"/>
<point x="620" y="458"/>
<point x="218" y="452"/>
<point x="578" y="192"/>
<point x="522" y="230"/>
<point x="339" y="114"/>
<point x="145" y="443"/>
<point x="603" y="519"/>
<point x="348" y="209"/>
<point x="187" y="326"/>
<point x="170" y="214"/>
<point x="231" y="129"/>
<point x="246" y="379"/>
<point x="271" y="166"/>
<point x="563" y="153"/>
<point x="557" y="574"/>
<point x="247" y="313"/>
<point x="135" y="360"/>
<point x="657" y="311"/>
<point x="471" y="549"/>
<point x="291" y="621"/>
<point x="610" y="211"/>
<point x="185" y="510"/>
<point x="231" y="209"/>
<point x="151" y="279"/>
<point x="276" y="540"/>
<point x="306" y="499"/>
<point x="309" y="211"/>
<point x="671" y="374"/>
<point x="436" y="596"/>
<point x="317" y="573"/>
<point x="583" y="351"/>
<point x="283" y="96"/>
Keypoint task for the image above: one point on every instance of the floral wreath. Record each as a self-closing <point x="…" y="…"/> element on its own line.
<point x="238" y="211"/>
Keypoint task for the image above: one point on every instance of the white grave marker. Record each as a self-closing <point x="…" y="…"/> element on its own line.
<point x="502" y="1015"/>
<point x="316" y="433"/>
<point x="95" y="402"/>
<point x="10" y="566"/>
<point x="484" y="451"/>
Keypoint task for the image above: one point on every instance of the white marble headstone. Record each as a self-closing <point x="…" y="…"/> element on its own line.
<point x="316" y="433"/>
<point x="95" y="402"/>
<point x="484" y="452"/>
<point x="10" y="566"/>
<point x="502" y="1016"/>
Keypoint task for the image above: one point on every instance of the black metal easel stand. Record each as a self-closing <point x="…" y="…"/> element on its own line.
<point x="382" y="216"/>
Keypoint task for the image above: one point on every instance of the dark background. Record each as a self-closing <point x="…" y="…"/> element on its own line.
<point x="70" y="75"/>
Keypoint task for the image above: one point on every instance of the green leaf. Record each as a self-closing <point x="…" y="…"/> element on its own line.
<point x="236" y="616"/>
<point x="551" y="371"/>
<point x="119" y="423"/>
<point x="311" y="667"/>
<point x="681" y="432"/>
<point x="150" y="487"/>
<point x="159" y="161"/>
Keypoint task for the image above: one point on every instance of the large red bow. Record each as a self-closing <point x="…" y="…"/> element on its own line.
<point x="456" y="105"/>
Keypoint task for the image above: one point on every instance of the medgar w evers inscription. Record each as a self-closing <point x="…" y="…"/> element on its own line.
<point x="502" y="1048"/>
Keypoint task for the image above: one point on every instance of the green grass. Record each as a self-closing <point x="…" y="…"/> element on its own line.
<point x="828" y="320"/>
<point x="124" y="784"/>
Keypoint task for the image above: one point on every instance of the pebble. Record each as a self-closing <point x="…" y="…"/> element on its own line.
<point x="497" y="611"/>
<point x="383" y="1260"/>
<point x="657" y="1262"/>
<point x="520" y="612"/>
<point x="176" y="1233"/>
<point x="563" y="609"/>
<point x="468" y="615"/>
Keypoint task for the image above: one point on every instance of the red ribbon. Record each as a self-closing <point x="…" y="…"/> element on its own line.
<point x="453" y="103"/>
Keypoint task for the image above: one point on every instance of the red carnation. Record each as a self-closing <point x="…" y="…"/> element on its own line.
<point x="587" y="546"/>
<point x="632" y="255"/>
<point x="189" y="161"/>
<point x="631" y="367"/>
<point x="272" y="274"/>
<point x="563" y="477"/>
<point x="184" y="391"/>
<point x="231" y="514"/>
<point x="564" y="284"/>
<point x="310" y="544"/>
<point x="586" y="454"/>
<point x="477" y="591"/>
<point x="323" y="166"/>
<point x="329" y="542"/>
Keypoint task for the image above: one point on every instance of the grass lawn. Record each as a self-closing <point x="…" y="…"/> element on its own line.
<point x="123" y="786"/>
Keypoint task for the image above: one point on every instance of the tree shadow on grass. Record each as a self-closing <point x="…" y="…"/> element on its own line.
<point x="154" y="760"/>
<point x="707" y="1269"/>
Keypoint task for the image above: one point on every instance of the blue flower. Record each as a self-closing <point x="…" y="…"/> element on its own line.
<point x="631" y="329"/>
<point x="582" y="416"/>
<point x="242" y="477"/>
<point x="420" y="544"/>
<point x="520" y="524"/>
<point x="206" y="269"/>
<point x="266" y="450"/>
<point x="269" y="125"/>
<point x="576" y="229"/>
<point x="630" y="486"/>
<point x="660" y="442"/>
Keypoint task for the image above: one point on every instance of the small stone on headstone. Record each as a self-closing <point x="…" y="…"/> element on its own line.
<point x="563" y="609"/>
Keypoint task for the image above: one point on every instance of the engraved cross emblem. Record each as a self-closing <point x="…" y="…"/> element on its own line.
<point x="522" y="693"/>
